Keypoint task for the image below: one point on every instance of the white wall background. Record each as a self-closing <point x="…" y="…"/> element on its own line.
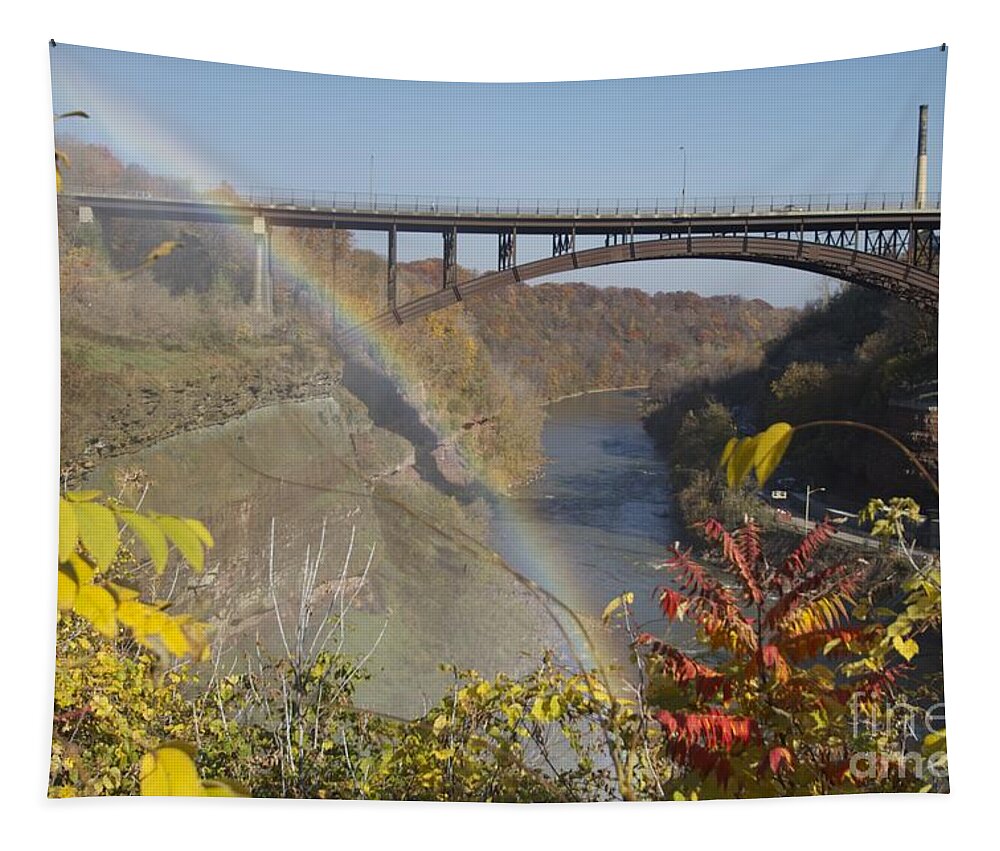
<point x="504" y="40"/>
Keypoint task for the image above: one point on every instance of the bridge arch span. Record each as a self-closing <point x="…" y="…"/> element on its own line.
<point x="905" y="281"/>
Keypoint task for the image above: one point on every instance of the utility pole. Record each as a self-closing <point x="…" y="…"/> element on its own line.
<point x="371" y="182"/>
<point x="684" y="180"/>
<point x="810" y="490"/>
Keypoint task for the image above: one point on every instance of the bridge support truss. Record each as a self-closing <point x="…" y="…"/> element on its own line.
<point x="563" y="243"/>
<point x="899" y="259"/>
<point x="507" y="253"/>
<point x="917" y="247"/>
<point x="450" y="264"/>
<point x="618" y="237"/>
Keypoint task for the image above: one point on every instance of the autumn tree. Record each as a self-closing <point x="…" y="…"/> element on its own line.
<point x="767" y="709"/>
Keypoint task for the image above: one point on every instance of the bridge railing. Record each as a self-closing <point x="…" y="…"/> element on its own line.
<point x="583" y="208"/>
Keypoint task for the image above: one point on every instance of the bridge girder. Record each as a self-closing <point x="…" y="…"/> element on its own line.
<point x="526" y="224"/>
<point x="846" y="261"/>
<point x="892" y="249"/>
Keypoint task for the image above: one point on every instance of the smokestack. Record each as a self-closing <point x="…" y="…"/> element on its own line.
<point x="920" y="194"/>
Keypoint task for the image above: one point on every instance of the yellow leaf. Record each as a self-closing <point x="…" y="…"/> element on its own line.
<point x="934" y="742"/>
<point x="201" y="531"/>
<point x="169" y="637"/>
<point x="170" y="770"/>
<point x="82" y="572"/>
<point x="121" y="593"/>
<point x="68" y="529"/>
<point x="97" y="606"/>
<point x="627" y="598"/>
<point x="67" y="589"/>
<point x="555" y="706"/>
<point x="538" y="709"/>
<point x="907" y="649"/>
<point x="151" y="535"/>
<point x="184" y="538"/>
<point x="81" y="496"/>
<point x="198" y="646"/>
<point x="770" y="449"/>
<point x="728" y="452"/>
<point x="132" y="615"/>
<point x="163" y="633"/>
<point x="224" y="789"/>
<point x="164" y="249"/>
<point x="740" y="461"/>
<point x="98" y="531"/>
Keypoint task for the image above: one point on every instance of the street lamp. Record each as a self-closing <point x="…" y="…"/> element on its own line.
<point x="810" y="490"/>
<point x="371" y="182"/>
<point x="684" y="181"/>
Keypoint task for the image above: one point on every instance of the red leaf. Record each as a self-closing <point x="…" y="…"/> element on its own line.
<point x="713" y="730"/>
<point x="670" y="602"/>
<point x="804" y="553"/>
<point x="742" y="551"/>
<point x="709" y="600"/>
<point x="777" y="757"/>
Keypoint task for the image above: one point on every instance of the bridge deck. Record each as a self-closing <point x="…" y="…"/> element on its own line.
<point x="769" y="215"/>
<point x="884" y="242"/>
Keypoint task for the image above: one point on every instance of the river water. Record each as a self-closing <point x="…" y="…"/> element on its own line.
<point x="599" y="519"/>
<point x="590" y="528"/>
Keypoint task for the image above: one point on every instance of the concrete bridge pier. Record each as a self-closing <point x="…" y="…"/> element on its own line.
<point x="263" y="293"/>
<point x="392" y="269"/>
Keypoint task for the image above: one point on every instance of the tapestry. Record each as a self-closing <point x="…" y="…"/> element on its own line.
<point x="528" y="442"/>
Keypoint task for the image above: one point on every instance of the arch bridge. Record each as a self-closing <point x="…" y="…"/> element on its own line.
<point x="887" y="242"/>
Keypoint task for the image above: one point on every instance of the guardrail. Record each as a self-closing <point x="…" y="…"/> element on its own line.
<point x="452" y="205"/>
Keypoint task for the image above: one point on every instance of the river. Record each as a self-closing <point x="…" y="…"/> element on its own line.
<point x="590" y="528"/>
<point x="599" y="519"/>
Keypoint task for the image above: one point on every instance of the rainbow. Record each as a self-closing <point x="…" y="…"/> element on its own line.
<point x="137" y="137"/>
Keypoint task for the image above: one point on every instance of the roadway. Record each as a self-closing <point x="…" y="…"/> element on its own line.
<point x="770" y="214"/>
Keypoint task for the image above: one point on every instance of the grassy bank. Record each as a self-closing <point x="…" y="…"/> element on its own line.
<point x="130" y="384"/>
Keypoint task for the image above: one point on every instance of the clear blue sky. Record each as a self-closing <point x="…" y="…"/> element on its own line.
<point x="837" y="126"/>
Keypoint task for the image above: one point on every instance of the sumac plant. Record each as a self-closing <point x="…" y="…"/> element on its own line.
<point x="768" y="708"/>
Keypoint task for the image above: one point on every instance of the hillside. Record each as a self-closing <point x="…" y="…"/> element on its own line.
<point x="176" y="344"/>
<point x="864" y="356"/>
<point x="565" y="338"/>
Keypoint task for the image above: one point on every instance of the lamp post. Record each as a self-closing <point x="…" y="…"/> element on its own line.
<point x="684" y="180"/>
<point x="810" y="490"/>
<point x="371" y="182"/>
